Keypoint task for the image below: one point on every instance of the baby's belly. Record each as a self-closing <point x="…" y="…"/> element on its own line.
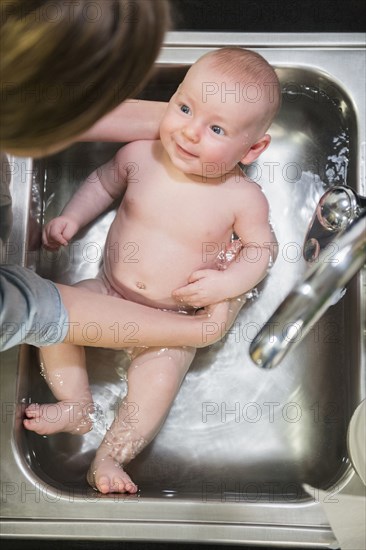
<point x="146" y="265"/>
<point x="151" y="281"/>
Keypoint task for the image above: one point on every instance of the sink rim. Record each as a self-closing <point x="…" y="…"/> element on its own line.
<point x="194" y="41"/>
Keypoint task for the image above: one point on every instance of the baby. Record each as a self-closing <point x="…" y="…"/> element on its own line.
<point x="184" y="198"/>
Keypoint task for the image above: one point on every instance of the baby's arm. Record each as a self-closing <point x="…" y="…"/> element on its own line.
<point x="258" y="253"/>
<point x="209" y="286"/>
<point x="93" y="197"/>
<point x="259" y="246"/>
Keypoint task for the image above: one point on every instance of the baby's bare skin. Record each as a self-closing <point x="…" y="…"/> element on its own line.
<point x="64" y="416"/>
<point x="73" y="412"/>
<point x="119" y="447"/>
<point x="184" y="197"/>
<point x="142" y="239"/>
<point x="108" y="476"/>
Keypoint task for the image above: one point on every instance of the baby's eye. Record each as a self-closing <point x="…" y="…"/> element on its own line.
<point x="218" y="130"/>
<point x="185" y="109"/>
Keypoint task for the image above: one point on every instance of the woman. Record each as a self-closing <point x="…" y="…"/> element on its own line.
<point x="66" y="69"/>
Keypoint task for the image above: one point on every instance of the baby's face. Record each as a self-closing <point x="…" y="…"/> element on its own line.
<point x="211" y="122"/>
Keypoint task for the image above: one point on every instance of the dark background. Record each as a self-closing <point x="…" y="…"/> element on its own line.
<point x="236" y="16"/>
<point x="270" y="15"/>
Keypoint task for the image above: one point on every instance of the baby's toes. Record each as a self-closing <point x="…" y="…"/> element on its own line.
<point x="29" y="424"/>
<point x="103" y="485"/>
<point x="118" y="485"/>
<point x="32" y="410"/>
<point x="131" y="487"/>
<point x="128" y="485"/>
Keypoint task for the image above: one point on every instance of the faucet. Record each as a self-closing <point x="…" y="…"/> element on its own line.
<point x="342" y="214"/>
<point x="337" y="209"/>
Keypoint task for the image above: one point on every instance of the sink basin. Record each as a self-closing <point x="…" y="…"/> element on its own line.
<point x="239" y="443"/>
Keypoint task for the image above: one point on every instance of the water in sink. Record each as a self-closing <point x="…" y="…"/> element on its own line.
<point x="233" y="429"/>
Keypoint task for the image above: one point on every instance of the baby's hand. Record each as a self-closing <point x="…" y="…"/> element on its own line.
<point x="58" y="232"/>
<point x="205" y="287"/>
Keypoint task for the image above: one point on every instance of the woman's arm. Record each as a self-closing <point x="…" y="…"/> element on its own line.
<point x="104" y="321"/>
<point x="132" y="120"/>
<point x="38" y="312"/>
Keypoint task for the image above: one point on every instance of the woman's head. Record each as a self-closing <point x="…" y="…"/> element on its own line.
<point x="66" y="64"/>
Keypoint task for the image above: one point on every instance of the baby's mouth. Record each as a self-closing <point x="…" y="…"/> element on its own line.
<point x="184" y="152"/>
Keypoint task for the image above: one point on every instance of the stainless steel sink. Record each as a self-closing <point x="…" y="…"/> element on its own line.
<point x="239" y="443"/>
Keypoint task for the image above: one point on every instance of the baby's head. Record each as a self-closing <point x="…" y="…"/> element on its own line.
<point x="245" y="77"/>
<point x="221" y="111"/>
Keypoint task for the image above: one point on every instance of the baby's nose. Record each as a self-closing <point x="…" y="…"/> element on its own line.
<point x="191" y="132"/>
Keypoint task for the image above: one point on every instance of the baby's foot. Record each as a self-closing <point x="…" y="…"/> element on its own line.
<point x="64" y="416"/>
<point x="107" y="476"/>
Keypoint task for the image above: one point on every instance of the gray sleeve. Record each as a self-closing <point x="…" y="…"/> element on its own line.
<point x="31" y="310"/>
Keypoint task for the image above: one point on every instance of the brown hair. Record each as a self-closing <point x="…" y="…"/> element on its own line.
<point x="236" y="62"/>
<point x="66" y="64"/>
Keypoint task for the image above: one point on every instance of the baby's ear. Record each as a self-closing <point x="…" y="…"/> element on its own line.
<point x="256" y="149"/>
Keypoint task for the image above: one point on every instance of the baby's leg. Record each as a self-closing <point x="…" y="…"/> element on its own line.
<point x="64" y="369"/>
<point x="154" y="378"/>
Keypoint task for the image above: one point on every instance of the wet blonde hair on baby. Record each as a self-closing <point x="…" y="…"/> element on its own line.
<point x="66" y="64"/>
<point x="241" y="65"/>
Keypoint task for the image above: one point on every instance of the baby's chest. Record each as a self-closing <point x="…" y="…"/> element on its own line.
<point x="194" y="206"/>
